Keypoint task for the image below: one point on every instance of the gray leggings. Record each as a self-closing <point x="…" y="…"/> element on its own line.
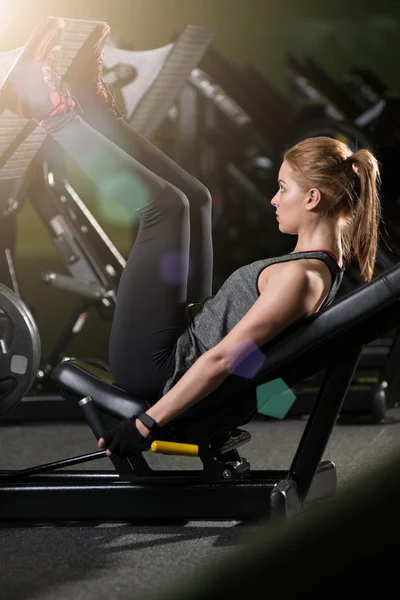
<point x="171" y="262"/>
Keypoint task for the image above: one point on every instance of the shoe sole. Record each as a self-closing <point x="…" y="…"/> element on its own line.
<point x="45" y="36"/>
<point x="34" y="49"/>
<point x="90" y="48"/>
<point x="20" y="139"/>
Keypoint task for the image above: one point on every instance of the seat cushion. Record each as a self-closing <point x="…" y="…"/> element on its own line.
<point x="81" y="380"/>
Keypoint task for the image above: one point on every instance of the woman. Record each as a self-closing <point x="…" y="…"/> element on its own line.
<point x="172" y="354"/>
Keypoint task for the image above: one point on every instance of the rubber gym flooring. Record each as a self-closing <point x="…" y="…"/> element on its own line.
<point x="96" y="562"/>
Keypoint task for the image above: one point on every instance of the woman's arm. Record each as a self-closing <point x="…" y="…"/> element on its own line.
<point x="203" y="377"/>
<point x="285" y="299"/>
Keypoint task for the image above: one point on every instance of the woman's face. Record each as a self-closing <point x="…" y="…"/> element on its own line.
<point x="290" y="202"/>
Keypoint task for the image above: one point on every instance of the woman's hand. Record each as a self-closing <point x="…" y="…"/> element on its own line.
<point x="126" y="439"/>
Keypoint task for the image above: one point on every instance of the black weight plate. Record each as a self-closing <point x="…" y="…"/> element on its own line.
<point x="344" y="131"/>
<point x="20" y="349"/>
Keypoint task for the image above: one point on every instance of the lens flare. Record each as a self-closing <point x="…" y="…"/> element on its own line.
<point x="275" y="399"/>
<point x="7" y="14"/>
<point x="121" y="195"/>
<point x="174" y="268"/>
<point x="245" y="359"/>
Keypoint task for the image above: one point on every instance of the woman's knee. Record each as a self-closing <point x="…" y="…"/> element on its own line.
<point x="199" y="194"/>
<point x="174" y="200"/>
<point x="196" y="192"/>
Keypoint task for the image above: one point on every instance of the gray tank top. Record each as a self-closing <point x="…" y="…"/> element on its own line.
<point x="212" y="319"/>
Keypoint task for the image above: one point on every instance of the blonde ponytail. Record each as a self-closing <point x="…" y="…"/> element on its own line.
<point x="362" y="236"/>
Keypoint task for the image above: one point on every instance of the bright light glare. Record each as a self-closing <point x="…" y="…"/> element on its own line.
<point x="7" y="13"/>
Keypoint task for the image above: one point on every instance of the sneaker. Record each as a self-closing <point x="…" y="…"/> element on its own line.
<point x="44" y="39"/>
<point x="85" y="75"/>
<point x="37" y="93"/>
<point x="35" y="90"/>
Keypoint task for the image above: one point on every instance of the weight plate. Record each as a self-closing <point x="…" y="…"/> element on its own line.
<point x="20" y="349"/>
<point x="343" y="131"/>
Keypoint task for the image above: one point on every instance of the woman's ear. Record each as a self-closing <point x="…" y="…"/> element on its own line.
<point x="314" y="198"/>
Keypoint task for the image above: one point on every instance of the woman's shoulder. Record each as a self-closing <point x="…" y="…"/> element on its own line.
<point x="315" y="266"/>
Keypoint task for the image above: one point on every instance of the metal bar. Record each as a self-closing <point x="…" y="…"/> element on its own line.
<point x="90" y="291"/>
<point x="59" y="464"/>
<point x="187" y="151"/>
<point x="332" y="90"/>
<point x="66" y="335"/>
<point x="163" y="93"/>
<point x="92" y="497"/>
<point x="322" y="420"/>
<point x="11" y="269"/>
<point x="55" y="207"/>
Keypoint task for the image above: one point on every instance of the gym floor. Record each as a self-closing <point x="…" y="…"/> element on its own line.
<point x="92" y="561"/>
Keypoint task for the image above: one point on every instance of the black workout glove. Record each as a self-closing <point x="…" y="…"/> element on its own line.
<point x="125" y="440"/>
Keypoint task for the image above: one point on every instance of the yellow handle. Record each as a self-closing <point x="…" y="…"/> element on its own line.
<point x="174" y="448"/>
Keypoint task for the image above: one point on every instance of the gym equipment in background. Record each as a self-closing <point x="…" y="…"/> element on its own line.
<point x="95" y="266"/>
<point x="380" y="118"/>
<point x="157" y="78"/>
<point x="22" y="140"/>
<point x="19" y="349"/>
<point x="8" y="232"/>
<point x="320" y="102"/>
<point x="314" y="94"/>
<point x="226" y="487"/>
<point x="365" y="87"/>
